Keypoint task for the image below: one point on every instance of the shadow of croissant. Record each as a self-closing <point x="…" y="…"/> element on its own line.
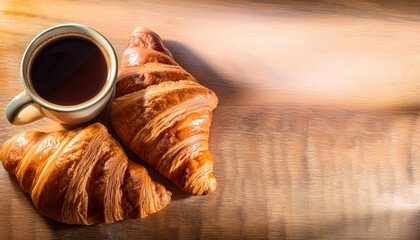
<point x="204" y="73"/>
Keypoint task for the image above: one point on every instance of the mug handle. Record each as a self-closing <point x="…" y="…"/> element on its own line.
<point x="22" y="110"/>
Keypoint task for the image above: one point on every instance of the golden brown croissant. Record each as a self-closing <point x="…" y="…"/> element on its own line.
<point x="163" y="114"/>
<point x="81" y="176"/>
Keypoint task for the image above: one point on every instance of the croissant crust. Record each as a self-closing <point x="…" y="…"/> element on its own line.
<point x="81" y="176"/>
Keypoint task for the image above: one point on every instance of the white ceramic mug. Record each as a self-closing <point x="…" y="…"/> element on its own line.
<point x="29" y="106"/>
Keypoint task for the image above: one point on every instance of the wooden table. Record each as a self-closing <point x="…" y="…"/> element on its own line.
<point x="317" y="134"/>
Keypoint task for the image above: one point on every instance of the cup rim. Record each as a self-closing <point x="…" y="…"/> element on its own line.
<point x="82" y="31"/>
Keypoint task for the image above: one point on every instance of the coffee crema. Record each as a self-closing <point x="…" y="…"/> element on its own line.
<point x="69" y="71"/>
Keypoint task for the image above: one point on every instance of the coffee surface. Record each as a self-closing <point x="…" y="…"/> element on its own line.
<point x="69" y="71"/>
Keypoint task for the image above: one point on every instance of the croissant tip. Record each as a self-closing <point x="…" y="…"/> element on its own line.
<point x="210" y="188"/>
<point x="141" y="29"/>
<point x="164" y="194"/>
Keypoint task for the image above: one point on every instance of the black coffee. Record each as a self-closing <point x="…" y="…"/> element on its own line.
<point x="69" y="71"/>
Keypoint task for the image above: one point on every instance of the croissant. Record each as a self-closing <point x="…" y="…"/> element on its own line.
<point x="163" y="114"/>
<point x="81" y="176"/>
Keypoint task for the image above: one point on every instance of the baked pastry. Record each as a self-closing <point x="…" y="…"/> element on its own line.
<point x="81" y="176"/>
<point x="163" y="114"/>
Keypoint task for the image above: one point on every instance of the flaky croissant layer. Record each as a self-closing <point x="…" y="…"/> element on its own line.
<point x="163" y="114"/>
<point x="81" y="176"/>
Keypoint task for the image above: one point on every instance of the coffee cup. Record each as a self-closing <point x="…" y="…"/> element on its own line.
<point x="69" y="73"/>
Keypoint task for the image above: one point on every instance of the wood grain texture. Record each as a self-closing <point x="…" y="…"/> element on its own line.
<point x="317" y="134"/>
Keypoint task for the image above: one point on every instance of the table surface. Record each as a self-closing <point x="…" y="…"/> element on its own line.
<point x="317" y="133"/>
